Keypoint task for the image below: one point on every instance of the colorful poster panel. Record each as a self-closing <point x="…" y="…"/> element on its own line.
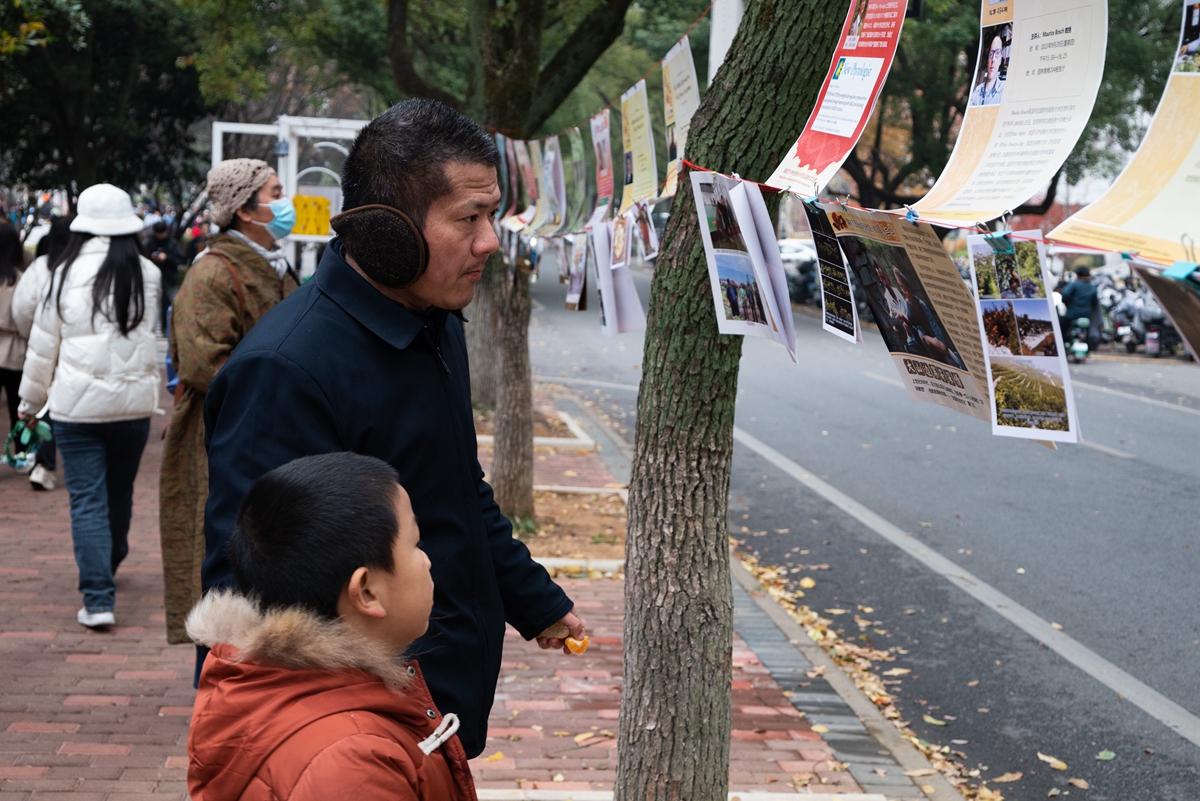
<point x="1179" y="298"/>
<point x="574" y="181"/>
<point x="839" y="312"/>
<point x="577" y="261"/>
<point x="602" y="150"/>
<point x="1156" y="199"/>
<point x="681" y="98"/>
<point x="622" y="240"/>
<point x="852" y="85"/>
<point x="1038" y="72"/>
<point x="641" y="170"/>
<point x="745" y="299"/>
<point x="924" y="311"/>
<point x="1023" y="345"/>
<point x="521" y="181"/>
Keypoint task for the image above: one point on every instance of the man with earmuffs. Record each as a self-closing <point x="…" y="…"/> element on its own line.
<point x="369" y="356"/>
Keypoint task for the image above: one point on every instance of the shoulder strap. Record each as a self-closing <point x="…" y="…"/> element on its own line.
<point x="237" y="281"/>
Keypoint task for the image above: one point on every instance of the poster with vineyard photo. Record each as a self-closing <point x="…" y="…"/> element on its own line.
<point x="1028" y="379"/>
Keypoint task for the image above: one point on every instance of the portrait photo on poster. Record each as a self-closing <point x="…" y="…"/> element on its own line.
<point x="988" y="89"/>
<point x="621" y="238"/>
<point x="577" y="273"/>
<point x="839" y="312"/>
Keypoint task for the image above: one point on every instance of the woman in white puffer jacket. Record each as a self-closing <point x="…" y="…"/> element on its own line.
<point x="92" y="356"/>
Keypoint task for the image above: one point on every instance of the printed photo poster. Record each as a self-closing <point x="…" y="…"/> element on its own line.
<point x="681" y="98"/>
<point x="621" y="309"/>
<point x="637" y="139"/>
<point x="1156" y="198"/>
<point x="547" y="170"/>
<point x="839" y="312"/>
<point x="923" y="309"/>
<point x="852" y="85"/>
<point x="574" y="181"/>
<point x="743" y="296"/>
<point x="503" y="169"/>
<point x="602" y="149"/>
<point x="1023" y="345"/>
<point x="1178" y="292"/>
<point x="528" y="183"/>
<point x="622" y="240"/>
<point x="1036" y="79"/>
<point x="560" y="259"/>
<point x="577" y="262"/>
<point x="646" y="232"/>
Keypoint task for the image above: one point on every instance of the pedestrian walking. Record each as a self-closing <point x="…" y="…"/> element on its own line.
<point x="24" y="304"/>
<point x="369" y="356"/>
<point x="92" y="358"/>
<point x="228" y="289"/>
<point x="165" y="253"/>
<point x="12" y="339"/>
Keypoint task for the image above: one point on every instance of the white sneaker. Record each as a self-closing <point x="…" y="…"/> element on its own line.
<point x="95" y="620"/>
<point x="41" y="479"/>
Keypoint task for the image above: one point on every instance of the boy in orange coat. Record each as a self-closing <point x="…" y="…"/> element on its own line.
<point x="303" y="697"/>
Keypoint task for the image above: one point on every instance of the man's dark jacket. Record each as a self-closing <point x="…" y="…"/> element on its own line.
<point x="337" y="366"/>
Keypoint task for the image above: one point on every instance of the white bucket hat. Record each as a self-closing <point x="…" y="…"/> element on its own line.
<point x="105" y="210"/>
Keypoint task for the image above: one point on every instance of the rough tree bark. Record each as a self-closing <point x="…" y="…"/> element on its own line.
<point x="675" y="709"/>
<point x="481" y="336"/>
<point x="512" y="462"/>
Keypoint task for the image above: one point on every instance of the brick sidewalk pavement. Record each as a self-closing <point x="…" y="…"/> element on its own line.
<point x="94" y="714"/>
<point x="546" y="700"/>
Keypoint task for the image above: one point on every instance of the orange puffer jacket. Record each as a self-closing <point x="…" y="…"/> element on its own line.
<point x="295" y="708"/>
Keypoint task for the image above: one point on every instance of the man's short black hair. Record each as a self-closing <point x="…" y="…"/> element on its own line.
<point x="305" y="527"/>
<point x="160" y="227"/>
<point x="1083" y="272"/>
<point x="399" y="158"/>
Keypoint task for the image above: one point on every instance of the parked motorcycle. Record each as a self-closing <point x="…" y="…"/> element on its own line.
<point x="1077" y="339"/>
<point x="1152" y="328"/>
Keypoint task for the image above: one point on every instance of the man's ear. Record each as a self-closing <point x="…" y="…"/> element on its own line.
<point x="361" y="595"/>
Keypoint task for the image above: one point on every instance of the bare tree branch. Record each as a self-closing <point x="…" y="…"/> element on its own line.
<point x="403" y="72"/>
<point x="578" y="53"/>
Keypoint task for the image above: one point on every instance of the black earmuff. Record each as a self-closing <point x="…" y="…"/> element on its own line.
<point x="385" y="243"/>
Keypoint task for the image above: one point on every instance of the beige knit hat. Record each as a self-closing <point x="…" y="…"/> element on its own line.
<point x="233" y="182"/>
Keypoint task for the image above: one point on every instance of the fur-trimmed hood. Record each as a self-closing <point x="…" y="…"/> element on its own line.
<point x="296" y="639"/>
<point x="292" y="706"/>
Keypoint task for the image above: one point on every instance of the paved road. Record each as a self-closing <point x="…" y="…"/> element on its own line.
<point x="1099" y="539"/>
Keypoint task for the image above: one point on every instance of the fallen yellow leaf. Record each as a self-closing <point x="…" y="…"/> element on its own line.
<point x="558" y="777"/>
<point x="817" y="671"/>
<point x="927" y="788"/>
<point x="920" y="772"/>
<point x="1053" y="762"/>
<point x="1080" y="783"/>
<point x="1009" y="777"/>
<point x="807" y="583"/>
<point x="897" y="672"/>
<point x="987" y="794"/>
<point x="496" y="757"/>
<point x="819" y="729"/>
<point x="932" y="721"/>
<point x="1057" y="626"/>
<point x="587" y="735"/>
<point x="974" y="683"/>
<point x="1054" y="792"/>
<point x="836" y="611"/>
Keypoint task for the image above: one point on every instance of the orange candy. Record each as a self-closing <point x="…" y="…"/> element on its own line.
<point x="576" y="646"/>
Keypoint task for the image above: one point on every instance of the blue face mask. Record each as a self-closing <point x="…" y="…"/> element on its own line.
<point x="284" y="220"/>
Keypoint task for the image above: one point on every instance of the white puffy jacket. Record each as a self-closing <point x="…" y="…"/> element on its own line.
<point x="80" y="361"/>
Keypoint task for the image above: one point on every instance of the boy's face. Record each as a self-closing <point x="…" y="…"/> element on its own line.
<point x="408" y="591"/>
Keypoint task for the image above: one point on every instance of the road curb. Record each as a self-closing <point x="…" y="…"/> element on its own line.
<point x="887" y="735"/>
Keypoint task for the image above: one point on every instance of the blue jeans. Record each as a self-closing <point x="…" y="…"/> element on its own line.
<point x="100" y="461"/>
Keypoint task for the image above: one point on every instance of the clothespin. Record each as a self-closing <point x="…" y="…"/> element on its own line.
<point x="910" y="214"/>
<point x="1183" y="271"/>
<point x="1128" y="255"/>
<point x="843" y="202"/>
<point x="1189" y="246"/>
<point x="1000" y="241"/>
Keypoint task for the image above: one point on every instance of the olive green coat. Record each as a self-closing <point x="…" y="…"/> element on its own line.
<point x="214" y="309"/>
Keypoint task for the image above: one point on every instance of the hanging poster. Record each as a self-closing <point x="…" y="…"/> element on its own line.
<point x="637" y="143"/>
<point x="503" y="168"/>
<point x="574" y="181"/>
<point x="542" y="203"/>
<point x="577" y="272"/>
<point x="923" y="309"/>
<point x="622" y="237"/>
<point x="1027" y="370"/>
<point x="646" y="233"/>
<point x="839" y="312"/>
<point x="852" y="85"/>
<point x="1038" y="72"/>
<point x="602" y="148"/>
<point x="528" y="183"/>
<point x="681" y="98"/>
<point x="560" y="259"/>
<point x="553" y="192"/>
<point x="620" y="307"/>
<point x="746" y="287"/>
<point x="1177" y="290"/>
<point x="1156" y="199"/>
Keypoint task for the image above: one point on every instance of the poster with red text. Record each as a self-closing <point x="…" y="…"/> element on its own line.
<point x="856" y="74"/>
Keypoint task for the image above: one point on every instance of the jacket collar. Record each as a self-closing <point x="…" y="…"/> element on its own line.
<point x="242" y="255"/>
<point x="293" y="638"/>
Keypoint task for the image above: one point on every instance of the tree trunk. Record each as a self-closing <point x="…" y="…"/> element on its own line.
<point x="481" y="336"/>
<point x="675" y="710"/>
<point x="512" y="462"/>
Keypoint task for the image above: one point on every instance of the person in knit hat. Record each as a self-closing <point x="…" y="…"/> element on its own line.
<point x="239" y="277"/>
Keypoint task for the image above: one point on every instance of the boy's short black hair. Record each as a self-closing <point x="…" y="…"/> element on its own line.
<point x="305" y="527"/>
<point x="399" y="158"/>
